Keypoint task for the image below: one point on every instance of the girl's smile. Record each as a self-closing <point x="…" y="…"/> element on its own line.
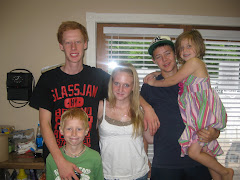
<point x="187" y="50"/>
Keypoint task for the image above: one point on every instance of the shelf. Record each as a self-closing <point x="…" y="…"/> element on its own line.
<point x="24" y="161"/>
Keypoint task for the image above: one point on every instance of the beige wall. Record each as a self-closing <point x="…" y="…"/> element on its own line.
<point x="28" y="34"/>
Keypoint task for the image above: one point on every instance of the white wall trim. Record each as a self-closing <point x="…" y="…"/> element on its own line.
<point x="93" y="18"/>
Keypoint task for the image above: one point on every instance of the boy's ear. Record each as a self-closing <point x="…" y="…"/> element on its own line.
<point x="86" y="131"/>
<point x="61" y="131"/>
<point x="85" y="45"/>
<point x="153" y="61"/>
<point x="61" y="47"/>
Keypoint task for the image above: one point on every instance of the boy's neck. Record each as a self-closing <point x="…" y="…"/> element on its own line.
<point x="72" y="69"/>
<point x="170" y="73"/>
<point x="74" y="151"/>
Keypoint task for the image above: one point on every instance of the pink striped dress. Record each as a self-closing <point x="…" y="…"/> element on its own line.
<point x="200" y="107"/>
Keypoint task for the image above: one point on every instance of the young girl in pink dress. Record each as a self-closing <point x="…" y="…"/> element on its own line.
<point x="199" y="104"/>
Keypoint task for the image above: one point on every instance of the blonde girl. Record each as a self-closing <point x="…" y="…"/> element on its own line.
<point x="120" y="126"/>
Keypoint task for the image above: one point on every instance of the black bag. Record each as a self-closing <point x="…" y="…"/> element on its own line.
<point x="19" y="85"/>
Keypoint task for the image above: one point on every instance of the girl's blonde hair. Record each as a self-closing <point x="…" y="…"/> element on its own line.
<point x="136" y="113"/>
<point x="196" y="38"/>
<point x="74" y="113"/>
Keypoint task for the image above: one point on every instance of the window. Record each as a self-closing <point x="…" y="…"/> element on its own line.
<point x="129" y="43"/>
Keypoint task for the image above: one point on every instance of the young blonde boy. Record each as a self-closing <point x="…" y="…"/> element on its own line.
<point x="74" y="127"/>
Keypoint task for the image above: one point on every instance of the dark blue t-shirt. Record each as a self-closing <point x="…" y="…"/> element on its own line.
<point x="167" y="150"/>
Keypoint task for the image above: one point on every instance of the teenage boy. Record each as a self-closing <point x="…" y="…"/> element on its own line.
<point x="74" y="127"/>
<point x="167" y="163"/>
<point x="73" y="85"/>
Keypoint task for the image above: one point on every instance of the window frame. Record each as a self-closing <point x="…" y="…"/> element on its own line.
<point x="101" y="47"/>
<point x="92" y="19"/>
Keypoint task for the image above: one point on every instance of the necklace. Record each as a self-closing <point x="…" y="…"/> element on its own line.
<point x="73" y="155"/>
<point x="122" y="116"/>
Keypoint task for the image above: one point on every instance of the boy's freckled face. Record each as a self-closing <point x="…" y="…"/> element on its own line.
<point x="164" y="57"/>
<point x="73" y="45"/>
<point x="74" y="131"/>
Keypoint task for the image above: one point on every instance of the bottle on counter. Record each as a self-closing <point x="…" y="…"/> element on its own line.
<point x="22" y="175"/>
<point x="33" y="175"/>
<point x="39" y="138"/>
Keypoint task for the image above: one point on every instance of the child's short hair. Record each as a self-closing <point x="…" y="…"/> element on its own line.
<point x="76" y="113"/>
<point x="71" y="25"/>
<point x="196" y="38"/>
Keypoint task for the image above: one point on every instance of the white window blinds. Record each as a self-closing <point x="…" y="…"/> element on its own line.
<point x="131" y="45"/>
<point x="223" y="63"/>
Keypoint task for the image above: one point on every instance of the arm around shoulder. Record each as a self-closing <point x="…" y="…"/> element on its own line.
<point x="48" y="135"/>
<point x="151" y="120"/>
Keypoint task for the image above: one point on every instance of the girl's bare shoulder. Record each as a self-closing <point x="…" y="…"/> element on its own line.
<point x="197" y="60"/>
<point x="201" y="69"/>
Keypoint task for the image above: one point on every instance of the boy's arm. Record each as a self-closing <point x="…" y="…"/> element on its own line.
<point x="151" y="120"/>
<point x="65" y="168"/>
<point x="147" y="137"/>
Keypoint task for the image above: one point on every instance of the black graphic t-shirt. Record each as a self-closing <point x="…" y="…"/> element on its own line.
<point x="57" y="91"/>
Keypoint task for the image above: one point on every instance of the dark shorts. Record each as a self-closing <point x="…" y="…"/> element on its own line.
<point x="193" y="173"/>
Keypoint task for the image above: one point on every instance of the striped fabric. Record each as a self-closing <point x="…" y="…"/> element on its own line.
<point x="200" y="107"/>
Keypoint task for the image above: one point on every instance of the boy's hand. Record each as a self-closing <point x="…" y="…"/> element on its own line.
<point x="207" y="135"/>
<point x="66" y="170"/>
<point x="151" y="120"/>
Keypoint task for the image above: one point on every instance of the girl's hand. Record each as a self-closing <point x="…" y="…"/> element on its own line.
<point x="152" y="81"/>
<point x="150" y="76"/>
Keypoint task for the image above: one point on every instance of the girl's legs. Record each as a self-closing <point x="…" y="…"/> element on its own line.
<point x="195" y="152"/>
<point x="213" y="173"/>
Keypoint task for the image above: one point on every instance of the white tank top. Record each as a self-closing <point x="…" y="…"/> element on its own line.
<point x="123" y="156"/>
